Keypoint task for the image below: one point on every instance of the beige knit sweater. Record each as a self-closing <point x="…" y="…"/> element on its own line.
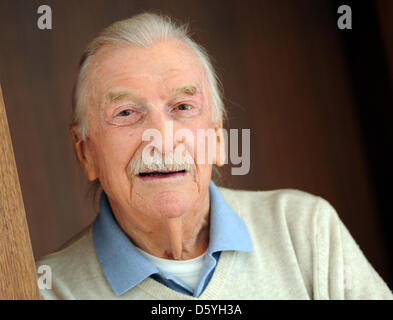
<point x="301" y="251"/>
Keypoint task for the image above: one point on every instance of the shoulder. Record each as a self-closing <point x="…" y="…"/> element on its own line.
<point x="282" y="207"/>
<point x="69" y="267"/>
<point x="287" y="227"/>
<point x="285" y="199"/>
<point x="72" y="250"/>
<point x="265" y="196"/>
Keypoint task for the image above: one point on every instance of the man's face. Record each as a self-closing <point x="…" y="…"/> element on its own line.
<point x="134" y="89"/>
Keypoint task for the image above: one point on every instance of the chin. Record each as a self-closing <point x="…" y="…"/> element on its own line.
<point x="171" y="204"/>
<point x="171" y="198"/>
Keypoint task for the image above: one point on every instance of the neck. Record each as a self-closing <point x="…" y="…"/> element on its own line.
<point x="183" y="237"/>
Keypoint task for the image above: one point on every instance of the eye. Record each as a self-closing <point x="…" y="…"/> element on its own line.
<point x="184" y="107"/>
<point x="124" y="116"/>
<point x="185" y="110"/>
<point x="125" y="113"/>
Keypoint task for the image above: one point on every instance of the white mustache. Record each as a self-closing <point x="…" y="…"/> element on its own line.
<point x="161" y="162"/>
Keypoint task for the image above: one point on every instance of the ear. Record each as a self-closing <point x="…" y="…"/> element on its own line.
<point x="83" y="154"/>
<point x="220" y="145"/>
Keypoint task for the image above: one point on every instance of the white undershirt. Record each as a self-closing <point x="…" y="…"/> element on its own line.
<point x="185" y="270"/>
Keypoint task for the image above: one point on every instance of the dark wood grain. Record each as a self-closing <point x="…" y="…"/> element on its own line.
<point x="18" y="278"/>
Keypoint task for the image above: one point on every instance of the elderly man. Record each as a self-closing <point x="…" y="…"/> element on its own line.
<point x="164" y="229"/>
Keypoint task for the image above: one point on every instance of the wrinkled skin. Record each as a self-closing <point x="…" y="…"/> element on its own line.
<point x="167" y="217"/>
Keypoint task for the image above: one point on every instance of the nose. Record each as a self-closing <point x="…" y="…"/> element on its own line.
<point x="164" y="125"/>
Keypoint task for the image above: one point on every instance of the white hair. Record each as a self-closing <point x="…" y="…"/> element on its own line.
<point x="142" y="30"/>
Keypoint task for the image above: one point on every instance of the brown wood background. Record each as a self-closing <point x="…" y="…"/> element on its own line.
<point x="285" y="77"/>
<point x="18" y="278"/>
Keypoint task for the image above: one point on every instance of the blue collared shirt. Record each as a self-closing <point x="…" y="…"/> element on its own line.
<point x="124" y="266"/>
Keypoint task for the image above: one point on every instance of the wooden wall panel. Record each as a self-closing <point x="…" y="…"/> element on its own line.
<point x="17" y="268"/>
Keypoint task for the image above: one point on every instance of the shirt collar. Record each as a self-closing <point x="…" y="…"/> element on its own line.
<point x="227" y="229"/>
<point x="124" y="266"/>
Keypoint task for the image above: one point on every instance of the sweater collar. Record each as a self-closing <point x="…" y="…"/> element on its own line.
<point x="124" y="266"/>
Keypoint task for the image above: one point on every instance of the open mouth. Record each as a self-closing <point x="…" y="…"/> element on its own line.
<point x="161" y="174"/>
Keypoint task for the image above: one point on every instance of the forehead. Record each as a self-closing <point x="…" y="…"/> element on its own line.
<point x="161" y="67"/>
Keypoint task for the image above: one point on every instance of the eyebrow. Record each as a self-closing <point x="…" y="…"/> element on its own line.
<point x="115" y="96"/>
<point x="119" y="95"/>
<point x="188" y="90"/>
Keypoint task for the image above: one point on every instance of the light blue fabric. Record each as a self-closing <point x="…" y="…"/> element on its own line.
<point x="124" y="266"/>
